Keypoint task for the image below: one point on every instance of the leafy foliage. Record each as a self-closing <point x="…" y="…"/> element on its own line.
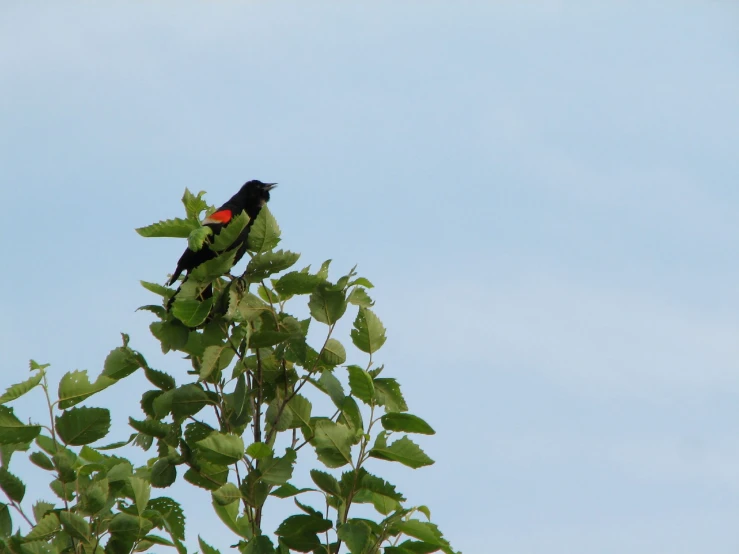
<point x="236" y="427"/>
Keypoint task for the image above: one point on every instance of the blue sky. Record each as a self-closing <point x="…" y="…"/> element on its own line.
<point x="544" y="194"/>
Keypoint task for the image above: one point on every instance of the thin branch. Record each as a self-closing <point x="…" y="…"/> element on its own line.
<point x="302" y="383"/>
<point x="328" y="541"/>
<point x="271" y="304"/>
<point x="306" y="441"/>
<point x="215" y="407"/>
<point x="258" y="402"/>
<point x="360" y="460"/>
<point x="19" y="509"/>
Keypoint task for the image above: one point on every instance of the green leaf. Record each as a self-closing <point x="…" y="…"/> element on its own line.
<point x="45" y="528"/>
<point x="47" y="444"/>
<point x="299" y="532"/>
<point x="265" y="264"/>
<point x="194" y="204"/>
<point x="368" y="334"/>
<point x="264" y="233"/>
<point x="79" y="426"/>
<point x="94" y="497"/>
<point x="147" y="402"/>
<point x="127" y="524"/>
<point x="159" y="379"/>
<point x="329" y="384"/>
<point x="196" y="431"/>
<point x="310" y="510"/>
<point x="141" y="493"/>
<point x="359" y="297"/>
<point x="120" y="471"/>
<point x="40" y="509"/>
<point x="188" y="400"/>
<point x="216" y="267"/>
<point x="64" y="461"/>
<point x="208" y="476"/>
<point x="6" y="523"/>
<point x="162" y="404"/>
<point x="297" y="282"/>
<point x="163" y="473"/>
<point x="76" y="526"/>
<point x="277" y="471"/>
<point x="362" y="282"/>
<point x="174" y="228"/>
<point x="406" y="422"/>
<point x="191" y="312"/>
<point x="356" y="535"/>
<point x="379" y="486"/>
<point x="332" y="443"/>
<point x="92" y="455"/>
<point x="327" y="306"/>
<point x="41" y="460"/>
<point x="258" y="450"/>
<point x="12" y="430"/>
<point x="333" y="353"/>
<point x="65" y="491"/>
<point x="156" y="288"/>
<point x="172" y="514"/>
<point x="387" y="393"/>
<point x="238" y="403"/>
<point x="287" y="490"/>
<point x="422" y="530"/>
<point x="351" y="416"/>
<point x="264" y="339"/>
<point x="229" y="516"/>
<point x="259" y="545"/>
<point x="326" y="482"/>
<point x="7" y="451"/>
<point x="300" y="408"/>
<point x="197" y="237"/>
<point x="382" y="504"/>
<point x="122" y="362"/>
<point x="19" y="389"/>
<point x="206" y="548"/>
<point x="226" y="494"/>
<point x="172" y="334"/>
<point x="74" y="387"/>
<point x="373" y="489"/>
<point x="230" y="233"/>
<point x="120" y="543"/>
<point x="251" y="307"/>
<point x="323" y="272"/>
<point x="254" y="490"/>
<point x="35" y="547"/>
<point x="158" y="311"/>
<point x="156" y="539"/>
<point x="403" y="450"/>
<point x="216" y="357"/>
<point x="222" y="449"/>
<point x="361" y="384"/>
<point x="280" y="420"/>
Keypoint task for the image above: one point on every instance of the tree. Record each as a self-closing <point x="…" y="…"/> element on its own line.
<point x="237" y="426"/>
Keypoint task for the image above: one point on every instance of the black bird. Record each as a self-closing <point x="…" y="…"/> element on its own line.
<point x="250" y="198"/>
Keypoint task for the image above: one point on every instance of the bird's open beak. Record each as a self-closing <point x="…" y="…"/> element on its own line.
<point x="269" y="186"/>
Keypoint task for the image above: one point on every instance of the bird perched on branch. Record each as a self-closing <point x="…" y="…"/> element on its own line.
<point x="250" y="198"/>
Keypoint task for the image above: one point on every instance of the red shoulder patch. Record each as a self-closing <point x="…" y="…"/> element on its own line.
<point x="224" y="216"/>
